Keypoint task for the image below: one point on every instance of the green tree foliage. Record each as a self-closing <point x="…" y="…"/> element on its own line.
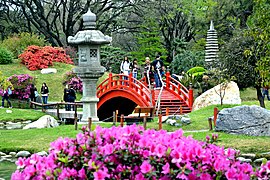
<point x="111" y="57"/>
<point x="5" y="56"/>
<point x="260" y="50"/>
<point x="186" y="60"/>
<point x="17" y="43"/>
<point x="149" y="41"/>
<point x="237" y="64"/>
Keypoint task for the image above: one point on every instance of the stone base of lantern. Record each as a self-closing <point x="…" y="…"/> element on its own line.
<point x="89" y="110"/>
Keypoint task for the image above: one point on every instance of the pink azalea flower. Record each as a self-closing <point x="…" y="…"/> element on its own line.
<point x="160" y="150"/>
<point x="139" y="177"/>
<point x="166" y="168"/>
<point x="81" y="174"/>
<point x="100" y="175"/>
<point x="145" y="167"/>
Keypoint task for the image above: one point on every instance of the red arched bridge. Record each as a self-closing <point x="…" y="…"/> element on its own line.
<point x="124" y="93"/>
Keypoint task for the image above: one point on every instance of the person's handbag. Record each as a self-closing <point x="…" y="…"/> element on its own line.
<point x="36" y="94"/>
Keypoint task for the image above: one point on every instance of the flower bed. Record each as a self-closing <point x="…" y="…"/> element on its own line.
<point x="133" y="153"/>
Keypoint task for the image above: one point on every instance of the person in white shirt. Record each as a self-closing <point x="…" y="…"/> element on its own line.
<point x="124" y="67"/>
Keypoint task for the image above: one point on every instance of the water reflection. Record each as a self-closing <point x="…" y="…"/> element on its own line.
<point x="6" y="169"/>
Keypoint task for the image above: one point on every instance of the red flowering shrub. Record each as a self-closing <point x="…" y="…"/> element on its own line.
<point x="35" y="57"/>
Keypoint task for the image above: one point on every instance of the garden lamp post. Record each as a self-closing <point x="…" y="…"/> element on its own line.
<point x="89" y="41"/>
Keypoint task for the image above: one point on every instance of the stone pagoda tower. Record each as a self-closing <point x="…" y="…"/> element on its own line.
<point x="89" y="41"/>
<point x="211" y="48"/>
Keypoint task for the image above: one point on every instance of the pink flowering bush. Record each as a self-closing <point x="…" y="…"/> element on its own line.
<point x="132" y="153"/>
<point x="21" y="85"/>
<point x="264" y="171"/>
<point x="71" y="78"/>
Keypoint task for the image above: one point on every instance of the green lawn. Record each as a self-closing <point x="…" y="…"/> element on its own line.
<point x="15" y="115"/>
<point x="39" y="139"/>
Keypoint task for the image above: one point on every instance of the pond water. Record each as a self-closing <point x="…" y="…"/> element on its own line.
<point x="6" y="169"/>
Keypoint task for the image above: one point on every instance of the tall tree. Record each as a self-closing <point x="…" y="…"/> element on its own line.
<point x="57" y="20"/>
<point x="260" y="50"/>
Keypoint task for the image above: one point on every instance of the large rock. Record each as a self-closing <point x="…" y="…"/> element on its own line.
<point x="210" y="97"/>
<point x="48" y="71"/>
<point x="45" y="121"/>
<point x="250" y="120"/>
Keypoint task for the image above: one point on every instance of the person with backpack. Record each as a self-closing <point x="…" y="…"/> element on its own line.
<point x="157" y="67"/>
<point x="5" y="96"/>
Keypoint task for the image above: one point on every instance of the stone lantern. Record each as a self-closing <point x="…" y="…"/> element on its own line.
<point x="89" y="41"/>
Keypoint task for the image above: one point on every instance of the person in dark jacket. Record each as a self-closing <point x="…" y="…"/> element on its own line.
<point x="33" y="94"/>
<point x="158" y="67"/>
<point x="71" y="97"/>
<point x="65" y="97"/>
<point x="44" y="93"/>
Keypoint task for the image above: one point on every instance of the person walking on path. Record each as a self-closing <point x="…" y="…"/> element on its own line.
<point x="5" y="96"/>
<point x="71" y="97"/>
<point x="33" y="94"/>
<point x="44" y="93"/>
<point x="157" y="66"/>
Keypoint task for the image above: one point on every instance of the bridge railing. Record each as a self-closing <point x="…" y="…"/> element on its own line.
<point x="124" y="82"/>
<point x="178" y="89"/>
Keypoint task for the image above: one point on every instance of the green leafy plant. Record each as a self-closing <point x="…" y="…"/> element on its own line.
<point x="5" y="56"/>
<point x="17" y="43"/>
<point x="185" y="60"/>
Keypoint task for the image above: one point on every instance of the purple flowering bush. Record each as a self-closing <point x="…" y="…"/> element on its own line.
<point x="21" y="85"/>
<point x="133" y="153"/>
<point x="71" y="78"/>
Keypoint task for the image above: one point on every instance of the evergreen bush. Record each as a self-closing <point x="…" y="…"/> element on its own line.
<point x="5" y="56"/>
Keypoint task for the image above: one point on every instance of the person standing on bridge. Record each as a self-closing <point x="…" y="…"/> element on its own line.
<point x="148" y="71"/>
<point x="134" y="68"/>
<point x="125" y="67"/>
<point x="157" y="67"/>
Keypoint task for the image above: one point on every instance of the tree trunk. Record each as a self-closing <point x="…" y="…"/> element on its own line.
<point x="260" y="97"/>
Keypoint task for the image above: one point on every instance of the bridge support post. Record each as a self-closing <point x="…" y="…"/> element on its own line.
<point x="190" y="98"/>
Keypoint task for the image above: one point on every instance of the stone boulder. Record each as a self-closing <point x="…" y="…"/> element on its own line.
<point x="45" y="121"/>
<point x="250" y="120"/>
<point x="48" y="71"/>
<point x="211" y="97"/>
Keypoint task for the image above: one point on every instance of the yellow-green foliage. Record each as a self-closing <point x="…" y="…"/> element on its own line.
<point x="18" y="42"/>
<point x="4" y="83"/>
